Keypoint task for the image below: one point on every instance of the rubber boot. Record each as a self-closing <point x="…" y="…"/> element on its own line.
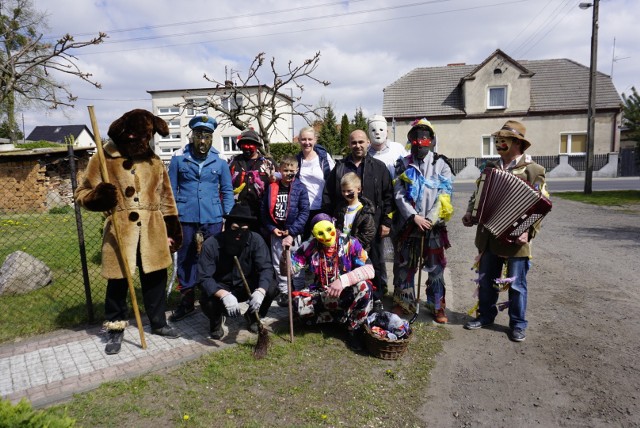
<point x="114" y="342"/>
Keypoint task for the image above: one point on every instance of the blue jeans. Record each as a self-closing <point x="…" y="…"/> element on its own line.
<point x="491" y="266"/>
<point x="187" y="254"/>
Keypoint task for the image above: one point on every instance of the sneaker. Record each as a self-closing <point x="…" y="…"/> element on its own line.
<point x="282" y="300"/>
<point x="517" y="335"/>
<point x="440" y="317"/>
<point x="476" y="324"/>
<point x="166" y="331"/>
<point x="114" y="342"/>
<point x="181" y="313"/>
<point x="217" y="334"/>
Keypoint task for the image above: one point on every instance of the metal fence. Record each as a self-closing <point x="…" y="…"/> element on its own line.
<point x="50" y="276"/>
<point x="548" y="162"/>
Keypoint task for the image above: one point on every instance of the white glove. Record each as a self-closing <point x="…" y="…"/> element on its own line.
<point x="231" y="305"/>
<point x="256" y="300"/>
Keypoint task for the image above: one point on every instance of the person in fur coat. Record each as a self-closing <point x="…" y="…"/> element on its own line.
<point x="139" y="194"/>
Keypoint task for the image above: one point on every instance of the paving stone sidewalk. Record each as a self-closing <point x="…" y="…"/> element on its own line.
<point x="51" y="368"/>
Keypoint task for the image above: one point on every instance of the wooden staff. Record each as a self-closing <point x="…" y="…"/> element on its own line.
<point x="287" y="253"/>
<point x="123" y="260"/>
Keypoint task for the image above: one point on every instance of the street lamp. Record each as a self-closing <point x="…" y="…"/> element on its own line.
<point x="588" y="171"/>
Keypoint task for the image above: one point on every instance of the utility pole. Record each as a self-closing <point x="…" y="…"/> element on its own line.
<point x="588" y="171"/>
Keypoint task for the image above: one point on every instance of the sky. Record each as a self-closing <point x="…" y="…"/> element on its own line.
<point x="365" y="45"/>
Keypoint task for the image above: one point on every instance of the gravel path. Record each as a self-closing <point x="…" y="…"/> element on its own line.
<point x="579" y="365"/>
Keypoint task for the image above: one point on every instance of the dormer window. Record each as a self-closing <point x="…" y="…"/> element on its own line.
<point x="497" y="97"/>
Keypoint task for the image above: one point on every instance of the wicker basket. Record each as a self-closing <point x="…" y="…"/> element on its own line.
<point x="381" y="347"/>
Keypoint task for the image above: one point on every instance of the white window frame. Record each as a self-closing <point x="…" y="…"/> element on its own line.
<point x="492" y="147"/>
<point x="173" y="124"/>
<point x="195" y="106"/>
<point x="165" y="150"/>
<point x="500" y="106"/>
<point x="230" y="141"/>
<point x="569" y="138"/>
<point x="168" y="110"/>
<point x="232" y="102"/>
<point x="173" y="136"/>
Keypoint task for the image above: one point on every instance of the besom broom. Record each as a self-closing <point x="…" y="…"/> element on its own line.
<point x="262" y="345"/>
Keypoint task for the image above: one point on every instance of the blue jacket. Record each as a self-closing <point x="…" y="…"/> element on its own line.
<point x="202" y="195"/>
<point x="297" y="208"/>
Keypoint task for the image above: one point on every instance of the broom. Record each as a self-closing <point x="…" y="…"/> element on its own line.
<point x="262" y="345"/>
<point x="123" y="260"/>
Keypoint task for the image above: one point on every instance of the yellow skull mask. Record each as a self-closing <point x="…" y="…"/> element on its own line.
<point x="325" y="232"/>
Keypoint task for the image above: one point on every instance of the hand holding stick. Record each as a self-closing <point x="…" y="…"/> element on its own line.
<point x="287" y="253"/>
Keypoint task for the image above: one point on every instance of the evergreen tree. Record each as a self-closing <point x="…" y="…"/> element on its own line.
<point x="329" y="137"/>
<point x="345" y="130"/>
<point x="631" y="114"/>
<point x="359" y="121"/>
<point x="6" y="132"/>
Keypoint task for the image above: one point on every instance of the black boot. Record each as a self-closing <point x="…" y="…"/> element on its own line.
<point x="355" y="341"/>
<point x="186" y="306"/>
<point x="114" y="342"/>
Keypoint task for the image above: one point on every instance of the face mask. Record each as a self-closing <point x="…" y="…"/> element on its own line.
<point x="201" y="143"/>
<point x="248" y="150"/>
<point x="325" y="232"/>
<point x="378" y="133"/>
<point x="421" y="140"/>
<point x="235" y="240"/>
<point x="503" y="144"/>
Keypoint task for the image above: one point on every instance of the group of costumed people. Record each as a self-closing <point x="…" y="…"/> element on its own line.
<point x="236" y="220"/>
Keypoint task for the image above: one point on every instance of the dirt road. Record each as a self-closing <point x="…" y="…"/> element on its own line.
<point x="580" y="363"/>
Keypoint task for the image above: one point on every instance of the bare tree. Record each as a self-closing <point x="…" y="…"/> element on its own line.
<point x="28" y="64"/>
<point x="254" y="102"/>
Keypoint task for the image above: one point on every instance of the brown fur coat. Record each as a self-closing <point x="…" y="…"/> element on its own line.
<point x="144" y="205"/>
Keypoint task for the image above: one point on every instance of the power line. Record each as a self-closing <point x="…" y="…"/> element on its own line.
<point x="305" y="29"/>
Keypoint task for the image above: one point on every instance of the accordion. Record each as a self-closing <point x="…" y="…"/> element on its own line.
<point x="507" y="205"/>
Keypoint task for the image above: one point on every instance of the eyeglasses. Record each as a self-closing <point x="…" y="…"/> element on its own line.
<point x="203" y="136"/>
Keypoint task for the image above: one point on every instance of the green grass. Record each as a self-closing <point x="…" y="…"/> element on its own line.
<point x="610" y="198"/>
<point x="316" y="381"/>
<point x="52" y="238"/>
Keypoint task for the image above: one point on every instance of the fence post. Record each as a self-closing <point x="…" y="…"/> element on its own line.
<point x="80" y="230"/>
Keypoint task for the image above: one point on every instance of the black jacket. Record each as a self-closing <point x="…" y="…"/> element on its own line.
<point x="376" y="186"/>
<point x="215" y="267"/>
<point x="364" y="226"/>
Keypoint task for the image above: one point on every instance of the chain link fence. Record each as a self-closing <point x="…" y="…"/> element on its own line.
<point x="50" y="249"/>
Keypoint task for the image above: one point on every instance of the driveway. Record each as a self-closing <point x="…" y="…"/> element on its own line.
<point x="579" y="365"/>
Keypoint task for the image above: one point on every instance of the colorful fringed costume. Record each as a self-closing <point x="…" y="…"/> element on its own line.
<point x="345" y="261"/>
<point x="422" y="187"/>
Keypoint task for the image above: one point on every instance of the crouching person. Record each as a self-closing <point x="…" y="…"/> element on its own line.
<point x="221" y="282"/>
<point x="341" y="290"/>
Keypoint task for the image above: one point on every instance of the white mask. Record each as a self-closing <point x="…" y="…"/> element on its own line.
<point x="377" y="130"/>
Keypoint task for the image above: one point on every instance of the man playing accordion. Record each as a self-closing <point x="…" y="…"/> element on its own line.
<point x="504" y="263"/>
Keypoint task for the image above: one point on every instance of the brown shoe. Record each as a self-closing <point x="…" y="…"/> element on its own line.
<point x="440" y="316"/>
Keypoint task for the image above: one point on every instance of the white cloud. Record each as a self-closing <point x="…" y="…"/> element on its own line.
<point x="365" y="45"/>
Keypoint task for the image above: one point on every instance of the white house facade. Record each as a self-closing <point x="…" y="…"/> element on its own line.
<point x="178" y="106"/>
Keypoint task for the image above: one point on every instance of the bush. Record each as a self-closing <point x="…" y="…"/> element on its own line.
<point x="67" y="209"/>
<point x="23" y="415"/>
<point x="279" y="150"/>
